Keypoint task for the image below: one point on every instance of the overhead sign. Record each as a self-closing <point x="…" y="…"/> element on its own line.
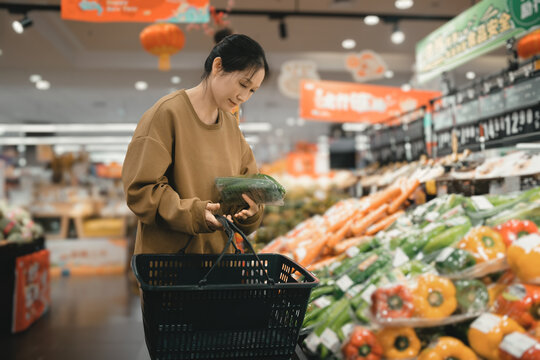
<point x="187" y="11"/>
<point x="366" y="65"/>
<point x="351" y="102"/>
<point x="482" y="28"/>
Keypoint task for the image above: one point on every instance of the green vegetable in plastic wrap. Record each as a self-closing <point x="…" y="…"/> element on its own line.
<point x="262" y="189"/>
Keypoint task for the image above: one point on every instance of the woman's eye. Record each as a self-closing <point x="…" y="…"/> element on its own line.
<point x="243" y="85"/>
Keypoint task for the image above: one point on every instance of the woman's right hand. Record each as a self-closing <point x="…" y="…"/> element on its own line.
<point x="211" y="220"/>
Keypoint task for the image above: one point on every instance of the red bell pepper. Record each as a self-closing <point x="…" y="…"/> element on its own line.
<point x="512" y="229"/>
<point x="363" y="345"/>
<point x="521" y="302"/>
<point x="518" y="346"/>
<point x="392" y="302"/>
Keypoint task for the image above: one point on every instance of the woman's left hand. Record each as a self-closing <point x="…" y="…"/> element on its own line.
<point x="247" y="213"/>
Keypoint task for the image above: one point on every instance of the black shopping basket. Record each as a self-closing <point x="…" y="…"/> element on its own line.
<point x="227" y="306"/>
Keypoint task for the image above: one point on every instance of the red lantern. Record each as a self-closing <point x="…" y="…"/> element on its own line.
<point x="529" y="45"/>
<point x="162" y="40"/>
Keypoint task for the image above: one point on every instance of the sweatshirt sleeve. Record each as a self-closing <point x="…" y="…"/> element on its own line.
<point x="249" y="167"/>
<point x="149" y="194"/>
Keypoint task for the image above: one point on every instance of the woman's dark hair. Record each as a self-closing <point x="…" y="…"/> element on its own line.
<point x="238" y="53"/>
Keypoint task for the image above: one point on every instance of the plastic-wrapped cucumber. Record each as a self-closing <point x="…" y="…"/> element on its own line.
<point x="262" y="189"/>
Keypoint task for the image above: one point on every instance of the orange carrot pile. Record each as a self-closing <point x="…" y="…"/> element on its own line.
<point x="319" y="240"/>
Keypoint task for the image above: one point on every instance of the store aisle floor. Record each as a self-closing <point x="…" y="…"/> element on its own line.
<point x="91" y="318"/>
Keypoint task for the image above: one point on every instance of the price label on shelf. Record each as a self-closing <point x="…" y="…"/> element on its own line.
<point x="528" y="242"/>
<point x="481" y="202"/>
<point x="444" y="254"/>
<point x="400" y="258"/>
<point x="330" y="340"/>
<point x="352" y="292"/>
<point x="486" y="322"/>
<point x="322" y="302"/>
<point x="344" y="283"/>
<point x="347" y="329"/>
<point x="517" y="344"/>
<point x="312" y="342"/>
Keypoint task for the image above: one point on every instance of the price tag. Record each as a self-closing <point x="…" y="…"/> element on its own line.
<point x="452" y="212"/>
<point x="347" y="329"/>
<point x="444" y="254"/>
<point x="352" y="251"/>
<point x="400" y="258"/>
<point x="432" y="216"/>
<point x="322" y="302"/>
<point x="481" y="203"/>
<point x="528" y="242"/>
<point x="517" y="344"/>
<point x="330" y="340"/>
<point x="344" y="283"/>
<point x="352" y="292"/>
<point x="366" y="295"/>
<point x="312" y="342"/>
<point x="334" y="265"/>
<point x="460" y="220"/>
<point x="486" y="322"/>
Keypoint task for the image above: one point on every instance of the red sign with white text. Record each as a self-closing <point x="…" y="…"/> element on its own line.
<point x="351" y="102"/>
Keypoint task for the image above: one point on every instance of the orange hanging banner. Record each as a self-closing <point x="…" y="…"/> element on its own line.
<point x="186" y="11"/>
<point x="350" y="102"/>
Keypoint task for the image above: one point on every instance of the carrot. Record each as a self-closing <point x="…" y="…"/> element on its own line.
<point x="404" y="195"/>
<point x="306" y="255"/>
<point x="322" y="263"/>
<point x="339" y="235"/>
<point x="383" y="197"/>
<point x="361" y="225"/>
<point x="345" y="244"/>
<point x="341" y="219"/>
<point x="273" y="246"/>
<point x="384" y="223"/>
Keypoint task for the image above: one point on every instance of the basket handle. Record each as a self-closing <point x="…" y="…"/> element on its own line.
<point x="230" y="228"/>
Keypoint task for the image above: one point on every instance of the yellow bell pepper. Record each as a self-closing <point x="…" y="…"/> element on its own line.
<point x="495" y="290"/>
<point x="484" y="243"/>
<point x="523" y="256"/>
<point x="399" y="343"/>
<point x="434" y="297"/>
<point x="448" y="348"/>
<point x="485" y="341"/>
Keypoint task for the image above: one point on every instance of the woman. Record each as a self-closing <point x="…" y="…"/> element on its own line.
<point x="182" y="143"/>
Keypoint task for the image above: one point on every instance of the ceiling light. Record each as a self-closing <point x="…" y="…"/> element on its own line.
<point x="256" y="127"/>
<point x="404" y="4"/>
<point x="398" y="37"/>
<point x="371" y="20"/>
<point x="43" y="85"/>
<point x="388" y="74"/>
<point x="348" y="44"/>
<point x="470" y="75"/>
<point x="176" y="79"/>
<point x="406" y="87"/>
<point x="35" y="78"/>
<point x="19" y="26"/>
<point x="1" y="52"/>
<point x="141" y="85"/>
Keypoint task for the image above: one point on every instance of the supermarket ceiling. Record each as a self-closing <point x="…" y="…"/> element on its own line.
<point x="92" y="67"/>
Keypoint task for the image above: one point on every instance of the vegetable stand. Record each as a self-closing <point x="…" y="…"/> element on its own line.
<point x="227" y="306"/>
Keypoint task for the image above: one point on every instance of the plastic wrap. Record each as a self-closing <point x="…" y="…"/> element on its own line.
<point x="262" y="189"/>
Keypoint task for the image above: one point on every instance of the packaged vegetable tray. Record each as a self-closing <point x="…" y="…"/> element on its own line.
<point x="262" y="189"/>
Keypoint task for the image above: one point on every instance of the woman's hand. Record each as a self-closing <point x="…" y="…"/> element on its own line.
<point x="247" y="213"/>
<point x="211" y="220"/>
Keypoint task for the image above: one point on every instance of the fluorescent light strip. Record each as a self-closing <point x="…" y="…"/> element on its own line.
<point x="66" y="128"/>
<point x="256" y="127"/>
<point x="355" y="127"/>
<point x="61" y="140"/>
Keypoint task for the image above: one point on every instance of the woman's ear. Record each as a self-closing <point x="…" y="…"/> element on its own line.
<point x="217" y="66"/>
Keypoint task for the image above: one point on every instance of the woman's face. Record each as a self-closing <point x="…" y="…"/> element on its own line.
<point x="233" y="89"/>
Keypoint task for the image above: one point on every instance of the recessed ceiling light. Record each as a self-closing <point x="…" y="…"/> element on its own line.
<point x="43" y="85"/>
<point x="388" y="74"/>
<point x="371" y="20"/>
<point x="19" y="26"/>
<point x="141" y="85"/>
<point x="1" y="52"/>
<point x="406" y="87"/>
<point x="398" y="37"/>
<point x="35" y="78"/>
<point x="176" y="79"/>
<point x="470" y="75"/>
<point x="404" y="4"/>
<point x="348" y="44"/>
